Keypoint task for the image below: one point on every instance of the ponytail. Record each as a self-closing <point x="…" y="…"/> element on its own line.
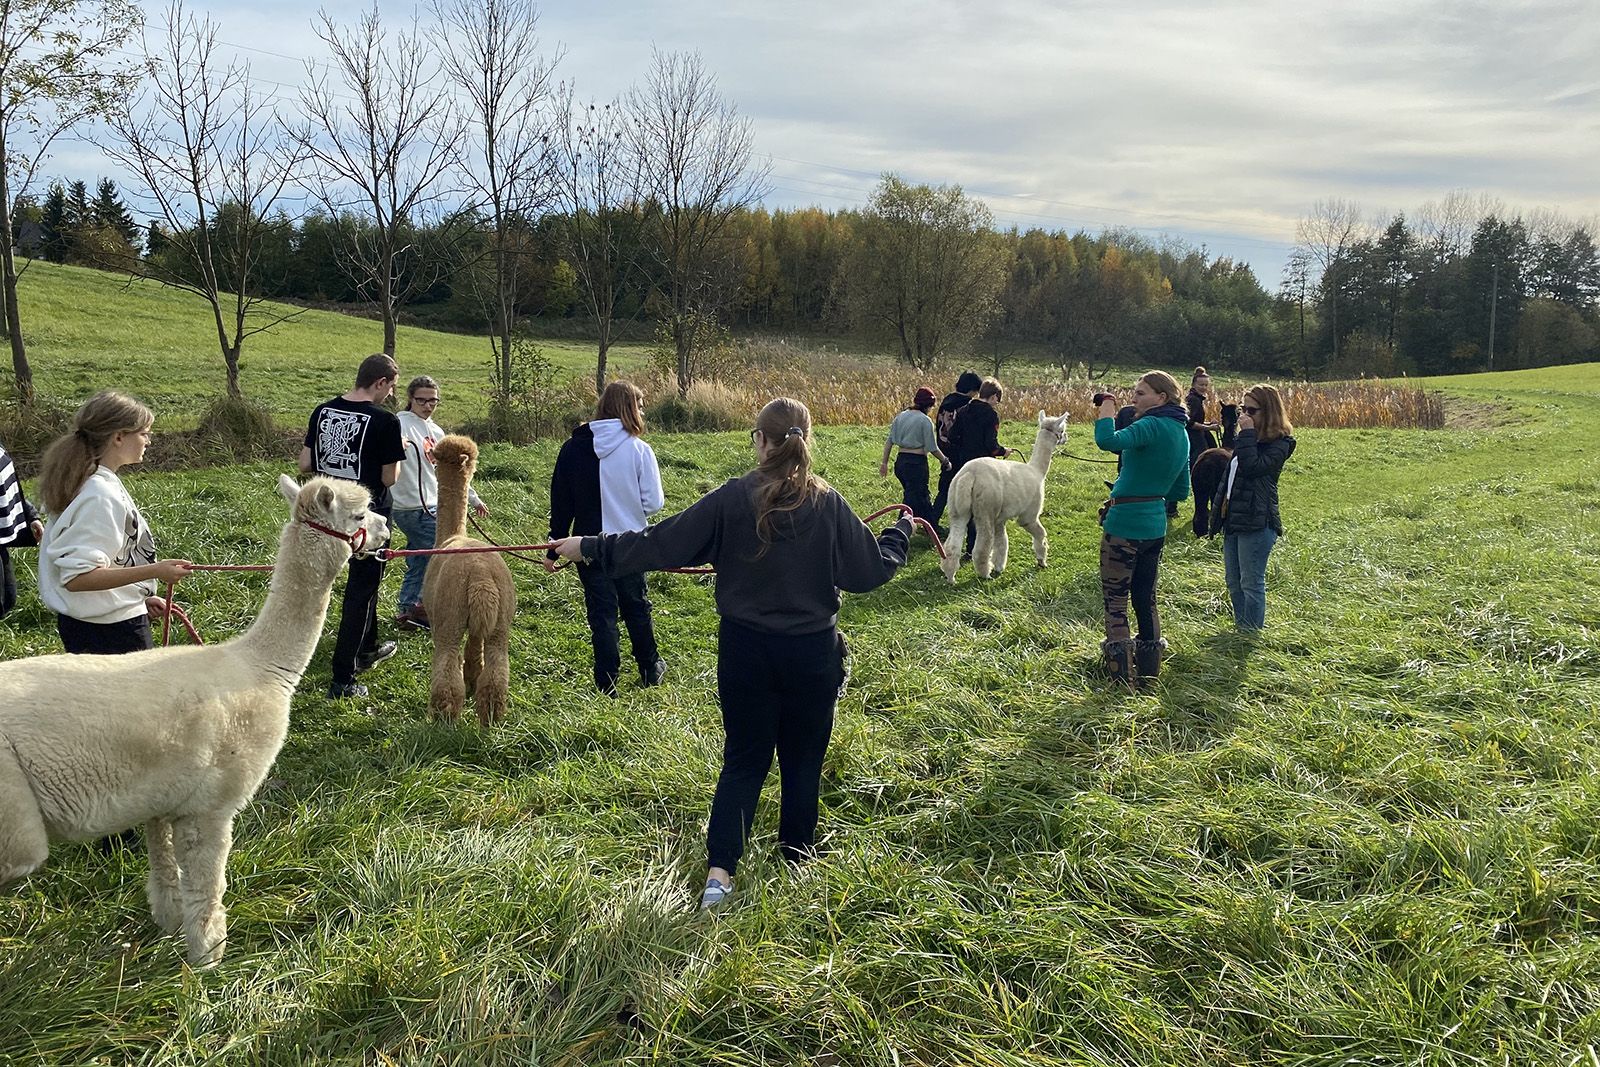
<point x="72" y="457"/>
<point x="784" y="480"/>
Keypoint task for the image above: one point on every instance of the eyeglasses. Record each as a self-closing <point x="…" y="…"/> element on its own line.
<point x="424" y="400"/>
<point x="1249" y="409"/>
<point x="753" y="436"/>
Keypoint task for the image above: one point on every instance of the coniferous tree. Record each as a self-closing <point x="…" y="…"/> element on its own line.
<point x="79" y="211"/>
<point x="56" y="222"/>
<point x="109" y="210"/>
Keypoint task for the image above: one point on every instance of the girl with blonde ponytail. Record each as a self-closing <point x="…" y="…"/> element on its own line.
<point x="97" y="563"/>
<point x="784" y="544"/>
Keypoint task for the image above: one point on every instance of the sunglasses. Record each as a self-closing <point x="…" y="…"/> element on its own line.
<point x="1249" y="409"/>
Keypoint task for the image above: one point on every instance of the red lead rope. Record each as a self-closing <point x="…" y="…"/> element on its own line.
<point x="173" y="611"/>
<point x="905" y="509"/>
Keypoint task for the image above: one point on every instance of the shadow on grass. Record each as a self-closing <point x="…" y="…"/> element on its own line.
<point x="1200" y="688"/>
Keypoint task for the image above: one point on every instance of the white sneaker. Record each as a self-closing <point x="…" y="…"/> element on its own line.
<point x="715" y="893"/>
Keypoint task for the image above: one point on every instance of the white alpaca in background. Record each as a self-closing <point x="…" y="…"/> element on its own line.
<point x="988" y="492"/>
<point x="175" y="738"/>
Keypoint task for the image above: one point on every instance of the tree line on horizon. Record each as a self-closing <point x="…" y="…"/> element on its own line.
<point x="437" y="171"/>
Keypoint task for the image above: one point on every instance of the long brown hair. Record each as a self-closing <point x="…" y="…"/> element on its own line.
<point x="784" y="480"/>
<point x="624" y="402"/>
<point x="72" y="458"/>
<point x="1272" y="421"/>
<point x="1165" y="384"/>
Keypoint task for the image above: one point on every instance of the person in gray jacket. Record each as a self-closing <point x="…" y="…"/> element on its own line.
<point x="784" y="544"/>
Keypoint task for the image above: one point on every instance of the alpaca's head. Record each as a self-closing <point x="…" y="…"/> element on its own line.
<point x="455" y="459"/>
<point x="340" y="506"/>
<point x="1053" y="428"/>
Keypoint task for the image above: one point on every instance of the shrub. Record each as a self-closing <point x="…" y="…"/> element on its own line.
<point x="533" y="403"/>
<point x="27" y="429"/>
<point x="709" y="406"/>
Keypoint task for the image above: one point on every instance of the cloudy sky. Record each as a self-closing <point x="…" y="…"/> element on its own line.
<point x="1216" y="123"/>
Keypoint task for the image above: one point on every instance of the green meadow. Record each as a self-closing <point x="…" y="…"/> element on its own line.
<point x="1370" y="835"/>
<point x="88" y="329"/>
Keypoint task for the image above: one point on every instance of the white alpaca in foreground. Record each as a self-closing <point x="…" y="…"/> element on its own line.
<point x="175" y="738"/>
<point x="988" y="492"/>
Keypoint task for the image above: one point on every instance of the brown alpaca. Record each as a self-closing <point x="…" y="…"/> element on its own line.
<point x="467" y="596"/>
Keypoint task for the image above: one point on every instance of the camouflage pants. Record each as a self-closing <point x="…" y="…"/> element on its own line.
<point x="1128" y="571"/>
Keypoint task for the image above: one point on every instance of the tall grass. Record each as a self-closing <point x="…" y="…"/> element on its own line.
<point x="1366" y="837"/>
<point x="845" y="390"/>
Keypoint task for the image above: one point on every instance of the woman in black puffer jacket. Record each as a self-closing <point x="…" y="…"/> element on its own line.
<point x="1245" y="510"/>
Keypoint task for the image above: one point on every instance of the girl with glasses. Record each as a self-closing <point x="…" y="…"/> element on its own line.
<point x="416" y="494"/>
<point x="1245" y="511"/>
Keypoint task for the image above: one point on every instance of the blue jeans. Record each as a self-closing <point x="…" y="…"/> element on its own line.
<point x="419" y="527"/>
<point x="1245" y="558"/>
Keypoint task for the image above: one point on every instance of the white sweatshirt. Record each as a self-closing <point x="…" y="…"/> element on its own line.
<point x="418" y="483"/>
<point x="100" y="528"/>
<point x="630" y="481"/>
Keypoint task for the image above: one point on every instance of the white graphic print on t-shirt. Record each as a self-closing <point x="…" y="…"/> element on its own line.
<point x="339" y="443"/>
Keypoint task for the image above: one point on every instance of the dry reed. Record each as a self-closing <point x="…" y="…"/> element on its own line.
<point x="851" y="390"/>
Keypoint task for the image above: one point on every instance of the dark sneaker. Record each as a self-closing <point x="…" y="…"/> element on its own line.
<point x="376" y="656"/>
<point x="411" y="619"/>
<point x="346" y="691"/>
<point x="653" y="674"/>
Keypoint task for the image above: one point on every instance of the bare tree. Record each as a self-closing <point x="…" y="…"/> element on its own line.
<point x="214" y="161"/>
<point x="602" y="218"/>
<point x="697" y="171"/>
<point x="1446" y="226"/>
<point x="1296" y="287"/>
<point x="380" y="138"/>
<point x="54" y="72"/>
<point x="1327" y="233"/>
<point x="491" y="55"/>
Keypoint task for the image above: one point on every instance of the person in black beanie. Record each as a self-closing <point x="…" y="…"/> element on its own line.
<point x="944" y="419"/>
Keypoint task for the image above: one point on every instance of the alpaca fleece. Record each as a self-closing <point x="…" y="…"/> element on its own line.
<point x="989" y="492"/>
<point x="177" y="739"/>
<point x="469" y="597"/>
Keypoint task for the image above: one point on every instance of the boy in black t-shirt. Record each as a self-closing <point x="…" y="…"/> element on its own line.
<point x="351" y="437"/>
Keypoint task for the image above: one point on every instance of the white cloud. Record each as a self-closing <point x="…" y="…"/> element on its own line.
<point x="1222" y="122"/>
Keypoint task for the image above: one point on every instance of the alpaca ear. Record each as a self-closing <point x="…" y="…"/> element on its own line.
<point x="315" y="498"/>
<point x="289" y="488"/>
<point x="1042" y="416"/>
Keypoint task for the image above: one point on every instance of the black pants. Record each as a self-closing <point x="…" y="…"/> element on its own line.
<point x="8" y="584"/>
<point x="939" y="502"/>
<point x="603" y="598"/>
<point x="358" y="616"/>
<point x="912" y="471"/>
<point x="778" y="694"/>
<point x="1128" y="571"/>
<point x="104" y="638"/>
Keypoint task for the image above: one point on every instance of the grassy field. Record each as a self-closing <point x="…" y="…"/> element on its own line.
<point x="162" y="344"/>
<point x="1367" y="837"/>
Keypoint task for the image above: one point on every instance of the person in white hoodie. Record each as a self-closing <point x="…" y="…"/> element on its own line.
<point x="606" y="481"/>
<point x="98" y="569"/>
<point x="416" y="494"/>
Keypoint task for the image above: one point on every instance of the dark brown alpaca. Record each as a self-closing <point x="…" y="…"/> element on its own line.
<point x="1210" y="467"/>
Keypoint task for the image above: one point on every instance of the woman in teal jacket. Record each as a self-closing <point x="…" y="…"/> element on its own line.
<point x="1155" y="471"/>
